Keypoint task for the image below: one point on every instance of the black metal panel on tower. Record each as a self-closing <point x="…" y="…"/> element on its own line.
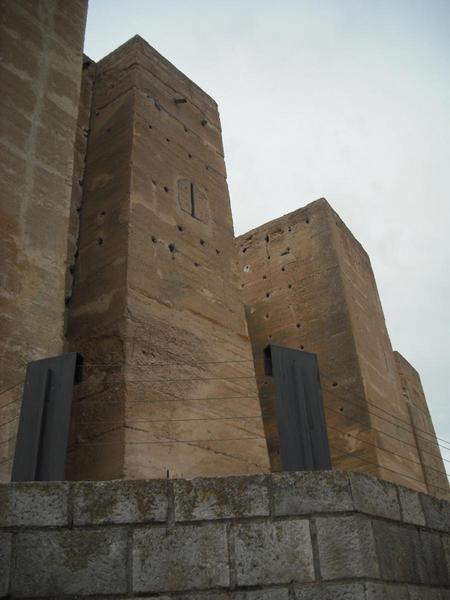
<point x="44" y="423"/>
<point x="299" y="406"/>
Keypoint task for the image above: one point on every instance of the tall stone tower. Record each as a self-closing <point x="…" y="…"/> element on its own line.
<point x="41" y="54"/>
<point x="169" y="382"/>
<point x="307" y="283"/>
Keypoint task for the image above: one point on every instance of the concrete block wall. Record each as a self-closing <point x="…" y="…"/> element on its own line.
<point x="286" y="536"/>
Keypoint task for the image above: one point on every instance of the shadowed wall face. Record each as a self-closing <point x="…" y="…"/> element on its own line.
<point x="40" y="72"/>
<point x="170" y="387"/>
<point x="308" y="284"/>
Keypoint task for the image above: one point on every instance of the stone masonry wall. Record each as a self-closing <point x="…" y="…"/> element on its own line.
<point x="307" y="283"/>
<point x="430" y="455"/>
<point x="40" y="73"/>
<point x="156" y="312"/>
<point x="290" y="536"/>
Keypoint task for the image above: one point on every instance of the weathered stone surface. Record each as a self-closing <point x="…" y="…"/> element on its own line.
<point x="422" y="593"/>
<point x="96" y="503"/>
<point x="180" y="558"/>
<point x="308" y="284"/>
<point x="220" y="498"/>
<point x="60" y="562"/>
<point x="437" y="512"/>
<point x="374" y="496"/>
<point x="446" y="546"/>
<point x="310" y="492"/>
<point x="155" y="290"/>
<point x="273" y="552"/>
<point x="277" y="593"/>
<point x="5" y="560"/>
<point x="431" y="558"/>
<point x="398" y="550"/>
<point x="425" y="435"/>
<point x="386" y="591"/>
<point x="40" y="75"/>
<point x="411" y="507"/>
<point x="346" y="547"/>
<point x="324" y="591"/>
<point x="34" y="504"/>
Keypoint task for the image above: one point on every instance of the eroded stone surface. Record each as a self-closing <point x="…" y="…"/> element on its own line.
<point x="34" y="504"/>
<point x="40" y="77"/>
<point x="119" y="502"/>
<point x="308" y="285"/>
<point x="220" y="498"/>
<point x="346" y="547"/>
<point x="309" y="492"/>
<point x="155" y="307"/>
<point x="180" y="558"/>
<point x="375" y="497"/>
<point x="69" y="562"/>
<point x="276" y="552"/>
<point x="412" y="511"/>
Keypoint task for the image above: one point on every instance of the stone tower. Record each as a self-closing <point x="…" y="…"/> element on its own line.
<point x="169" y="386"/>
<point x="41" y="55"/>
<point x="307" y="283"/>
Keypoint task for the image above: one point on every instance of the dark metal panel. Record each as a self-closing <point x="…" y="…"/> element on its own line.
<point x="44" y="423"/>
<point x="299" y="406"/>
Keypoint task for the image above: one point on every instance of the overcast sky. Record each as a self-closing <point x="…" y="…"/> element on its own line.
<point x="346" y="99"/>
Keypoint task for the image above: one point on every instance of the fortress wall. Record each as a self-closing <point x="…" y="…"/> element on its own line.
<point x="40" y="75"/>
<point x="397" y="452"/>
<point x="429" y="451"/>
<point x="295" y="297"/>
<point x="287" y="536"/>
<point x="156" y="195"/>
<point x="308" y="284"/>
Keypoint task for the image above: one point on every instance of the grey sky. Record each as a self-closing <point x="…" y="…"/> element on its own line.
<point x="347" y="99"/>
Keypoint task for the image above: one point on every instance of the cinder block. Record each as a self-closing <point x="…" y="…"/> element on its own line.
<point x="309" y="492"/>
<point x="119" y="502"/>
<point x="273" y="552"/>
<point x="321" y="591"/>
<point x="412" y="511"/>
<point x="437" y="512"/>
<point x="34" y="504"/>
<point x="374" y="496"/>
<point x="385" y="591"/>
<point x="5" y="559"/>
<point x="346" y="547"/>
<point x="180" y="558"/>
<point x="398" y="550"/>
<point x="58" y="562"/>
<point x="220" y="498"/>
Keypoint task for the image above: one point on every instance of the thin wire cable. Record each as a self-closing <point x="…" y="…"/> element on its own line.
<point x="362" y="407"/>
<point x="8" y="422"/>
<point x="392" y="470"/>
<point x="214" y="441"/>
<point x="10" y="388"/>
<point x="128" y="421"/>
<point x="388" y="413"/>
<point x="384" y="449"/>
<point x="322" y="374"/>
